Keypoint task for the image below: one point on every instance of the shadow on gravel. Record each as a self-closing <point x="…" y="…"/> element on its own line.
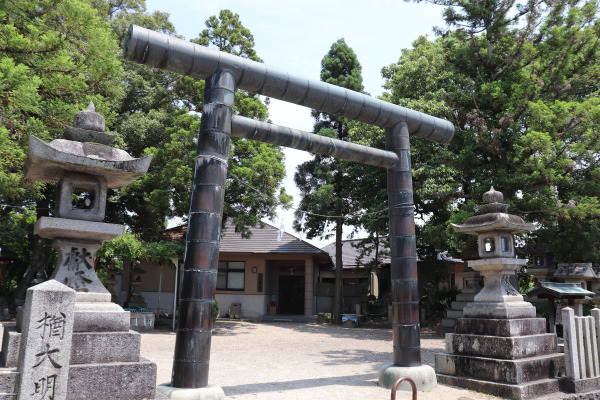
<point x="338" y="331"/>
<point x="264" y="387"/>
<point x="355" y="356"/>
<point x="232" y="328"/>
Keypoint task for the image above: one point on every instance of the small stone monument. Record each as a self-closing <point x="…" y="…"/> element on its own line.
<point x="105" y="359"/>
<point x="45" y="348"/>
<point x="499" y="346"/>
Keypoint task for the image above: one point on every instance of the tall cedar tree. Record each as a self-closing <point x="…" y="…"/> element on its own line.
<point x="323" y="181"/>
<point x="521" y="83"/>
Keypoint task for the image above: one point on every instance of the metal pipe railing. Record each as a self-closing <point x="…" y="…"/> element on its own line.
<point x="281" y="136"/>
<point x="176" y="55"/>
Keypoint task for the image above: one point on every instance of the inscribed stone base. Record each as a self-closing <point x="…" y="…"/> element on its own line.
<point x="423" y="376"/>
<point x="529" y="390"/>
<point x="210" y="392"/>
<point x="115" y="381"/>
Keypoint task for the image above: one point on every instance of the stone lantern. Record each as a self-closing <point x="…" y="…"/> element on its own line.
<point x="499" y="347"/>
<point x="84" y="167"/>
<point x="495" y="230"/>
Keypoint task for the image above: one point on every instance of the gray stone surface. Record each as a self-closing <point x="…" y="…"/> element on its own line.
<point x="423" y="376"/>
<point x="514" y="372"/>
<point x="575" y="270"/>
<point x="86" y="135"/>
<point x="8" y="381"/>
<point x="530" y="390"/>
<point x="100" y="317"/>
<point x="10" y="347"/>
<point x="501" y="347"/>
<point x="89" y="119"/>
<point x="210" y="392"/>
<point x="501" y="327"/>
<point x="114" y="381"/>
<point x="93" y="208"/>
<point x="499" y="310"/>
<point x="45" y="347"/>
<point x="51" y="228"/>
<point x="105" y="347"/>
<point x="47" y="162"/>
<point x="580" y="385"/>
<point x="75" y="265"/>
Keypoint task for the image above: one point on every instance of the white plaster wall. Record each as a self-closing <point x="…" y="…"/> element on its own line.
<point x="253" y="305"/>
<point x="166" y="301"/>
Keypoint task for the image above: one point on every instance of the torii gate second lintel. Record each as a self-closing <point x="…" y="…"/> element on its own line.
<point x="224" y="73"/>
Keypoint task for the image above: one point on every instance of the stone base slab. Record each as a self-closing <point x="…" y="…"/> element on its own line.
<point x="501" y="310"/>
<point x="501" y="347"/>
<point x="115" y="381"/>
<point x="580" y="385"/>
<point x="100" y="317"/>
<point x="8" y="381"/>
<point x="525" y="391"/>
<point x="501" y="327"/>
<point x="105" y="347"/>
<point x="210" y="392"/>
<point x="514" y="372"/>
<point x="51" y="228"/>
<point x="423" y="376"/>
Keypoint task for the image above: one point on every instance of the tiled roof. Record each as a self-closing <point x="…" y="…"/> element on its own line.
<point x="262" y="241"/>
<point x="350" y="252"/>
<point x="559" y="290"/>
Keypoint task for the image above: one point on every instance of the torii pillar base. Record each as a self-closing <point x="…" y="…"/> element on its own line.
<point x="210" y="392"/>
<point x="423" y="376"/>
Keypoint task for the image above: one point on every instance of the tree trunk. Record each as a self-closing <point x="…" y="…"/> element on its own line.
<point x="339" y="274"/>
<point x="40" y="255"/>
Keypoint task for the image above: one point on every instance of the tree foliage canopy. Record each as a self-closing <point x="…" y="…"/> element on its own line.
<point x="520" y="83"/>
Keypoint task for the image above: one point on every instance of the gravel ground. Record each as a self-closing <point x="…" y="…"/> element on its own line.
<point x="288" y="361"/>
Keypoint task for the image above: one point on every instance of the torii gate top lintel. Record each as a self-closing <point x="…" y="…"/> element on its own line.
<point x="224" y="73"/>
<point x="176" y="55"/>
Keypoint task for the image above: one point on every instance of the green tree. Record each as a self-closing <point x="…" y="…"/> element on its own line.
<point x="520" y="83"/>
<point x="323" y="182"/>
<point x="153" y="118"/>
<point x="55" y="57"/>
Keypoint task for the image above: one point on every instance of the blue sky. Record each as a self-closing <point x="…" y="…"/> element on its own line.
<point x="295" y="35"/>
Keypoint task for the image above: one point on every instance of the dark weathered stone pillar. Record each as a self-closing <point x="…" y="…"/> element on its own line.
<point x="405" y="292"/>
<point x="194" y="332"/>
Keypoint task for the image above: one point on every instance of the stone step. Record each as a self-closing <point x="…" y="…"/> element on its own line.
<point x="529" y="390"/>
<point x="514" y="372"/>
<point x="105" y="347"/>
<point x="511" y="348"/>
<point x="466" y="297"/>
<point x="115" y="381"/>
<point x="501" y="327"/>
<point x="442" y="330"/>
<point x="8" y="383"/>
<point x="10" y="347"/>
<point x="459" y="305"/>
<point x="87" y="347"/>
<point x="448" y="323"/>
<point x="454" y="314"/>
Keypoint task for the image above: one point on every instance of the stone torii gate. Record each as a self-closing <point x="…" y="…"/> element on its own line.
<point x="224" y="73"/>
